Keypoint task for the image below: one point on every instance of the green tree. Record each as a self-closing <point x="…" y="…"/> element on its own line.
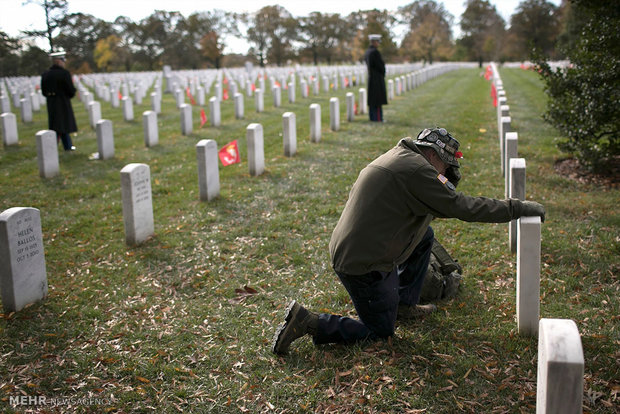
<point x="79" y="38"/>
<point x="483" y="31"/>
<point x="9" y="58"/>
<point x="212" y="48"/>
<point x="55" y="11"/>
<point x="272" y="31"/>
<point x="430" y="34"/>
<point x="33" y="61"/>
<point x="584" y="97"/>
<point x="535" y="25"/>
<point x="109" y="54"/>
<point x="374" y="21"/>
<point x="322" y="33"/>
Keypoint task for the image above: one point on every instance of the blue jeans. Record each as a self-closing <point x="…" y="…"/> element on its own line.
<point x="66" y="140"/>
<point x="376" y="296"/>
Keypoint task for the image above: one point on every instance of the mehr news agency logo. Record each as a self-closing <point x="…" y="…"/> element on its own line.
<point x="44" y="401"/>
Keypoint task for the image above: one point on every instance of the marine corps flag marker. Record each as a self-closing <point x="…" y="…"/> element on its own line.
<point x="229" y="154"/>
<point x="203" y="117"/>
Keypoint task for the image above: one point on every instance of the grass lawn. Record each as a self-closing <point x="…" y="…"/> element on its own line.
<point x="184" y="322"/>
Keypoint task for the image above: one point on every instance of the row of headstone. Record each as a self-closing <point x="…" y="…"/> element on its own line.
<point x="560" y="354"/>
<point x="135" y="184"/>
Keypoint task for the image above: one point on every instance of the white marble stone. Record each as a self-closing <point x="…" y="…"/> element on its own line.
<point x="9" y="129"/>
<point x="5" y="104"/>
<point x="137" y="203"/>
<point x="239" y="106"/>
<point x="289" y="133"/>
<point x="315" y="122"/>
<point x="47" y="154"/>
<point x="105" y="139"/>
<point x="516" y="189"/>
<point x="214" y="111"/>
<point x="512" y="140"/>
<point x="361" y="105"/>
<point x="259" y="101"/>
<point x="291" y="92"/>
<point x="504" y="128"/>
<point x="26" y="110"/>
<point x="156" y="102"/>
<point x="256" y="152"/>
<point x="559" y="385"/>
<point x="94" y="113"/>
<point x="208" y="169"/>
<point x="528" y="275"/>
<point x="127" y="109"/>
<point x="334" y="114"/>
<point x="277" y="96"/>
<point x="23" y="277"/>
<point x="350" y="97"/>
<point x="150" y="128"/>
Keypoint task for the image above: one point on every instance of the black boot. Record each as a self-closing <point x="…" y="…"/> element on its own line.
<point x="297" y="323"/>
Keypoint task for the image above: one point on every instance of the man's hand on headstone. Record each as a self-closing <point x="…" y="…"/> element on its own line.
<point x="533" y="209"/>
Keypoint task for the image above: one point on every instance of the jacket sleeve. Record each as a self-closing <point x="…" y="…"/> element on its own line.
<point x="68" y="87"/>
<point x="439" y="199"/>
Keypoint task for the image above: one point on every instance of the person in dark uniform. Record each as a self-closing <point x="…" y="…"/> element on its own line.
<point x="376" y="79"/>
<point x="57" y="87"/>
<point x="380" y="248"/>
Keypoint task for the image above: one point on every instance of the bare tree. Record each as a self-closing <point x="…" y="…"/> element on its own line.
<point x="55" y="11"/>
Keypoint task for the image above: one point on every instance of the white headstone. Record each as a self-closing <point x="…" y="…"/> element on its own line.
<point x="512" y="140"/>
<point x="26" y="110"/>
<point x="179" y="97"/>
<point x="259" y="101"/>
<point x="334" y="114"/>
<point x="504" y="128"/>
<point x="47" y="154"/>
<point x="291" y="92"/>
<point x="390" y="89"/>
<point x="277" y="96"/>
<point x="516" y="189"/>
<point x="208" y="169"/>
<point x="155" y="102"/>
<point x="186" y="119"/>
<point x="289" y="133"/>
<point x="94" y="113"/>
<point x="528" y="275"/>
<point x="105" y="139"/>
<point x="23" y="277"/>
<point x="214" y="111"/>
<point x="200" y="94"/>
<point x="559" y="388"/>
<point x="151" y="129"/>
<point x="362" y="101"/>
<point x="34" y="101"/>
<point x="9" y="128"/>
<point x="5" y="104"/>
<point x="127" y="109"/>
<point x="137" y="203"/>
<point x="256" y="152"/>
<point x="350" y="106"/>
<point x="315" y="122"/>
<point x="239" y="107"/>
<point x="114" y="98"/>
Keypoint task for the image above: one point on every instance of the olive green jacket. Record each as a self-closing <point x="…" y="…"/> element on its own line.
<point x="391" y="205"/>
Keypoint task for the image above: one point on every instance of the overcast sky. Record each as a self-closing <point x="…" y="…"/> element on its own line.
<point x="16" y="16"/>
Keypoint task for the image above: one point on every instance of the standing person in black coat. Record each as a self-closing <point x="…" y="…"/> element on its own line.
<point x="57" y="87"/>
<point x="376" y="79"/>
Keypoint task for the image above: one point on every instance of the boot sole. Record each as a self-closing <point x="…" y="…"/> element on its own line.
<point x="291" y="312"/>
